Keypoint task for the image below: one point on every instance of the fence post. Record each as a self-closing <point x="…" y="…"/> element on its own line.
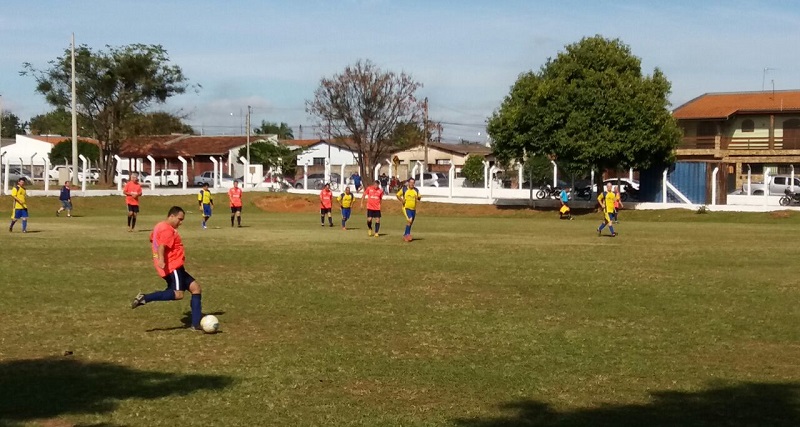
<point x="185" y="163"/>
<point x="152" y="172"/>
<point x="305" y="176"/>
<point x="766" y="186"/>
<point x="451" y="176"/>
<point x="714" y="186"/>
<point x="214" y="173"/>
<point x="116" y="168"/>
<point x="663" y="186"/>
<point x="749" y="180"/>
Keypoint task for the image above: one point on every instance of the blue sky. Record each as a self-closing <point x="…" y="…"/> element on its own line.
<point x="272" y="54"/>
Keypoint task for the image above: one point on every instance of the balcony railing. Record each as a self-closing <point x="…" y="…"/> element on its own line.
<point x="739" y="143"/>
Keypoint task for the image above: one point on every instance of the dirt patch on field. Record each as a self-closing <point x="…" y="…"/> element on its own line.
<point x="295" y="203"/>
<point x="780" y="214"/>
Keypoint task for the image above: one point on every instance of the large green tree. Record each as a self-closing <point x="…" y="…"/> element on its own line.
<point x="273" y="155"/>
<point x="12" y="125"/>
<point x="283" y="130"/>
<point x="58" y="122"/>
<point x="112" y="86"/>
<point x="365" y="104"/>
<point x="155" y="123"/>
<point x="64" y="149"/>
<point x="590" y="107"/>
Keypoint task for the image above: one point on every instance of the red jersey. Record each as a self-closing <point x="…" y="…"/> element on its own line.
<point x="132" y="187"/>
<point x="374" y="197"/>
<point x="326" y="199"/>
<point x="235" y="196"/>
<point x="174" y="255"/>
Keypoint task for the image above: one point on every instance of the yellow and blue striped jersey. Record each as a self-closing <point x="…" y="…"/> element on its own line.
<point x="409" y="196"/>
<point x="346" y="200"/>
<point x="204" y="197"/>
<point x="21" y="195"/>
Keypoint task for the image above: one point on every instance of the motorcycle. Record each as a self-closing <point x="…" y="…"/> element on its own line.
<point x="548" y="192"/>
<point x="789" y="198"/>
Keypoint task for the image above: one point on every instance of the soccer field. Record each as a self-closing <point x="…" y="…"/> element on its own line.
<point x="506" y="320"/>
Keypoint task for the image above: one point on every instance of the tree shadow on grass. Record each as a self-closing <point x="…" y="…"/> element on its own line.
<point x="186" y="321"/>
<point x="742" y="405"/>
<point x="47" y="388"/>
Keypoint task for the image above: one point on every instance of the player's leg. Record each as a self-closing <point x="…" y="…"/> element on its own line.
<point x="130" y="216"/>
<point x="69" y="209"/>
<point x="14" y="218"/>
<point x="233" y="215"/>
<point x="330" y="218"/>
<point x="239" y="216"/>
<point x="322" y="217"/>
<point x="410" y="216"/>
<point x="196" y="303"/>
<point x="377" y="222"/>
<point x="611" y="228"/>
<point x="61" y="208"/>
<point x="369" y="223"/>
<point x="606" y="220"/>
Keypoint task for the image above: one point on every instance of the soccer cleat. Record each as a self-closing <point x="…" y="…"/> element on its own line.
<point x="330" y="225"/>
<point x="322" y="225"/>
<point x="58" y="213"/>
<point x="377" y="235"/>
<point x="599" y="233"/>
<point x="139" y="300"/>
<point x="344" y="228"/>
<point x="194" y="329"/>
<point x="613" y="234"/>
<point x="369" y="232"/>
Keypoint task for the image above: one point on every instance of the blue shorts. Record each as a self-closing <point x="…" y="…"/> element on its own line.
<point x="206" y="210"/>
<point x="178" y="279"/>
<point x="411" y="214"/>
<point x="20" y="213"/>
<point x="66" y="204"/>
<point x="346" y="213"/>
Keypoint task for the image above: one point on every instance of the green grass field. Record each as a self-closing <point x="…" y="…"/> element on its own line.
<point x="517" y="319"/>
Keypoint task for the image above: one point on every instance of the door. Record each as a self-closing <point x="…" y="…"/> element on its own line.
<point x="791" y="134"/>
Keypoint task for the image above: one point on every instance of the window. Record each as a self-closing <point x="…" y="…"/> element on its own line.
<point x="748" y="125"/>
<point x="780" y="180"/>
<point x="319" y="161"/>
<point x="707" y="129"/>
<point x="443" y="161"/>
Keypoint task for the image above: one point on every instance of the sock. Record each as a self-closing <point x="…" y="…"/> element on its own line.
<point x="165" y="295"/>
<point x="133" y="222"/>
<point x="369" y="224"/>
<point x="129" y="222"/>
<point x="239" y="220"/>
<point x="330" y="220"/>
<point x="322" y="219"/>
<point x="602" y="226"/>
<point x="197" y="310"/>
<point x="232" y="216"/>
<point x="11" y="227"/>
<point x="204" y="222"/>
<point x="408" y="230"/>
<point x="343" y="221"/>
<point x="611" y="229"/>
<point x="377" y="227"/>
<point x="24" y="226"/>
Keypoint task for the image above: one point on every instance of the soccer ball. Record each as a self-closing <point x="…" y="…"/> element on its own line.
<point x="209" y="324"/>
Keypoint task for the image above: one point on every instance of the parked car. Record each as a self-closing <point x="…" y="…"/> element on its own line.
<point x="55" y="172"/>
<point x="17" y="172"/>
<point x="434" y="179"/>
<point x="317" y="180"/>
<point x="167" y="177"/>
<point x="778" y="185"/>
<point x="93" y="175"/>
<point x="125" y="175"/>
<point x="207" y="177"/>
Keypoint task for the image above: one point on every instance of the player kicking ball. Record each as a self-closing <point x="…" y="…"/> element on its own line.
<point x="168" y="257"/>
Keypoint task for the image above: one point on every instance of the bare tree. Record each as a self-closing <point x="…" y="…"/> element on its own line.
<point x="365" y="104"/>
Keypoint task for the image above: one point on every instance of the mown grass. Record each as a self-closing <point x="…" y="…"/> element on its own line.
<point x="514" y="319"/>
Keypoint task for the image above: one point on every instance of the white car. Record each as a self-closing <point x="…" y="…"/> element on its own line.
<point x="167" y="177"/>
<point x="125" y="175"/>
<point x="54" y="173"/>
<point x="625" y="182"/>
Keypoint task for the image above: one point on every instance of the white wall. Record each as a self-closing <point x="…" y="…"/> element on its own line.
<point x="25" y="147"/>
<point x="339" y="156"/>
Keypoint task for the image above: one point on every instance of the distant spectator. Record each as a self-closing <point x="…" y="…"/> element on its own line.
<point x="384" y="182"/>
<point x="356" y="178"/>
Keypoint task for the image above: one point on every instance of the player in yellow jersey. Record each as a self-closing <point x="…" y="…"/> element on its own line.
<point x="606" y="199"/>
<point x="409" y="195"/>
<point x="20" y="196"/>
<point x="346" y="200"/>
<point x="205" y="202"/>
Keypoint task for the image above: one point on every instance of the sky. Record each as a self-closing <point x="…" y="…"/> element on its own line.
<point x="271" y="55"/>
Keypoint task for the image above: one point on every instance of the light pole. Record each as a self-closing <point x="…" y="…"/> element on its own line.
<point x="248" y="134"/>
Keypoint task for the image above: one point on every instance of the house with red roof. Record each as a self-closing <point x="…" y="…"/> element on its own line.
<point x="756" y="131"/>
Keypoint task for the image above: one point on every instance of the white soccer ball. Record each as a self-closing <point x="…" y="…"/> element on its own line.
<point x="210" y="324"/>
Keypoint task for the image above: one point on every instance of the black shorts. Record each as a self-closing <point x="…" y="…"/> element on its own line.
<point x="324" y="211"/>
<point x="133" y="208"/>
<point x="235" y="209"/>
<point x="178" y="279"/>
<point x="373" y="213"/>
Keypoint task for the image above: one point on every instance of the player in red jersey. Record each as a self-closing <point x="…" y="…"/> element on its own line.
<point x="132" y="192"/>
<point x="325" y="205"/>
<point x="374" y="196"/>
<point x="235" y="197"/>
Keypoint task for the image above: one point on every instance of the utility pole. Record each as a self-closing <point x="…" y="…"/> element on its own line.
<point x="248" y="136"/>
<point x="74" y="121"/>
<point x="425" y="129"/>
